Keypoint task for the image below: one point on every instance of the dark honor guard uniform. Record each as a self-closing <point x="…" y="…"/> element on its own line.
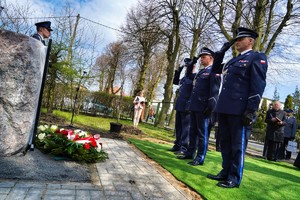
<point x="182" y="123"/>
<point x="244" y="80"/>
<point x="202" y="102"/>
<point x="43" y="31"/>
<point x="289" y="133"/>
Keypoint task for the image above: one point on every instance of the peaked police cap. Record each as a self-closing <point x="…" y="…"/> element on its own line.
<point x="46" y="24"/>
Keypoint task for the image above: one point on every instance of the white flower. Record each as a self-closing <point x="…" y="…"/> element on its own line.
<point x="70" y="137"/>
<point x="98" y="148"/>
<point x="77" y="131"/>
<point x="41" y="128"/>
<point x="83" y="134"/>
<point x="41" y="136"/>
<point x="53" y="128"/>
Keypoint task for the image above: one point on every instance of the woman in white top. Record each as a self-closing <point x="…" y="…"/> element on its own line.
<point x="139" y="104"/>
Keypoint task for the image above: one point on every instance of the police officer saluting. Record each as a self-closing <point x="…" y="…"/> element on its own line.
<point x="43" y="31"/>
<point x="244" y="80"/>
<point x="202" y="102"/>
<point x="182" y="123"/>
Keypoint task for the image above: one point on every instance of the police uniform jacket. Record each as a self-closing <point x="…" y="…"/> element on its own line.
<point x="274" y="131"/>
<point x="290" y="127"/>
<point x="244" y="80"/>
<point x="38" y="37"/>
<point x="185" y="89"/>
<point x="205" y="91"/>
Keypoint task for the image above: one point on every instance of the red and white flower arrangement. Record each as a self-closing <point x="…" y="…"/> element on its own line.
<point x="75" y="144"/>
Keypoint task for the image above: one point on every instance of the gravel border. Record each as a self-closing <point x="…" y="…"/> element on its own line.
<point x="35" y="165"/>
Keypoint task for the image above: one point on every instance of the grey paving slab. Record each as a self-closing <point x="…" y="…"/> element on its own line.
<point x="125" y="175"/>
<point x="129" y="172"/>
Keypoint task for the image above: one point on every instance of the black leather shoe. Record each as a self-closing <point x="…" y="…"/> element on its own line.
<point x="179" y="152"/>
<point x="218" y="177"/>
<point x="195" y="163"/>
<point x="184" y="157"/>
<point x="175" y="148"/>
<point x="227" y="184"/>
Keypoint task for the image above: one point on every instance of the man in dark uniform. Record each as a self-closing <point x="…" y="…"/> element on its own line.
<point x="244" y="80"/>
<point x="182" y="122"/>
<point x="289" y="133"/>
<point x="43" y="31"/>
<point x="202" y="102"/>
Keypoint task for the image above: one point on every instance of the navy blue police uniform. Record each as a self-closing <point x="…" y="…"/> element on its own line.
<point x="202" y="102"/>
<point x="289" y="133"/>
<point x="182" y="122"/>
<point x="244" y="80"/>
<point x="46" y="24"/>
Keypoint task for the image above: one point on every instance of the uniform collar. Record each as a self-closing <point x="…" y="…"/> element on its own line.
<point x="242" y="53"/>
<point x="41" y="36"/>
<point x="207" y="67"/>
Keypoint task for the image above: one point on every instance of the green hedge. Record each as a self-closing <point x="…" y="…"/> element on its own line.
<point x="115" y="102"/>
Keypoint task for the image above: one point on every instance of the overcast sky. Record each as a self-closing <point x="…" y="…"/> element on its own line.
<point x="113" y="13"/>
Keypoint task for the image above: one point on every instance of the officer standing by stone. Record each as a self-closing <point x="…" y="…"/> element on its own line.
<point x="202" y="102"/>
<point x="43" y="31"/>
<point x="182" y="122"/>
<point x="244" y="81"/>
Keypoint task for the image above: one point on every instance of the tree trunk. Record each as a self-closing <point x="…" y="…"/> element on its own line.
<point x="141" y="82"/>
<point x="172" y="51"/>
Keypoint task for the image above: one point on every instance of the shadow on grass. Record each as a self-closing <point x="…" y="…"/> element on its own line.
<point x="262" y="179"/>
<point x="269" y="168"/>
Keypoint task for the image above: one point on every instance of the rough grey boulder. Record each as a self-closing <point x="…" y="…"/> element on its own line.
<point x="22" y="61"/>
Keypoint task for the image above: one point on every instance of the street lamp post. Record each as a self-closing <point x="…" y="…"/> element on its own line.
<point x="76" y="97"/>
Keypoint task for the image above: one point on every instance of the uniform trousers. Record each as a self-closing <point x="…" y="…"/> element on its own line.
<point x="233" y="142"/>
<point x="284" y="154"/>
<point x="198" y="136"/>
<point x="273" y="150"/>
<point x="182" y="129"/>
<point x="203" y="130"/>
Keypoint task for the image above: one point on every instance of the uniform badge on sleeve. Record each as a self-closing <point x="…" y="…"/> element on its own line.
<point x="262" y="62"/>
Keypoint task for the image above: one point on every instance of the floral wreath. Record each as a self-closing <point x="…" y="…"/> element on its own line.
<point x="77" y="145"/>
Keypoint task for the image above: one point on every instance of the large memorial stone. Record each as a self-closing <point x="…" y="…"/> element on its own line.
<point x="22" y="61"/>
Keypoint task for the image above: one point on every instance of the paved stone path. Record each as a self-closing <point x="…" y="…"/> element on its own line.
<point x="125" y="175"/>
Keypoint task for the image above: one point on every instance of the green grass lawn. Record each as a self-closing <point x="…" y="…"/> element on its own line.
<point x="103" y="124"/>
<point x="262" y="179"/>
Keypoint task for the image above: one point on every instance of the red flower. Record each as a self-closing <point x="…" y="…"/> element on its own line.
<point x="76" y="137"/>
<point x="64" y="132"/>
<point x="93" y="142"/>
<point x="87" y="146"/>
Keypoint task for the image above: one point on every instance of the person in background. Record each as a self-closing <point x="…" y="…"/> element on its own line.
<point x="289" y="133"/>
<point x="182" y="121"/>
<point x="243" y="83"/>
<point x="151" y="113"/>
<point x="265" y="149"/>
<point x="139" y="103"/>
<point x="275" y="120"/>
<point x="43" y="31"/>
